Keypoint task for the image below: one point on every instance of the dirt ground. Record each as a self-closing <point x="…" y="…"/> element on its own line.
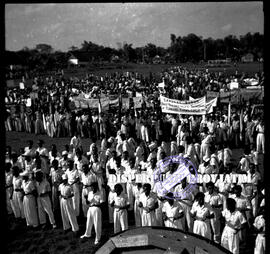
<point x="23" y="240"/>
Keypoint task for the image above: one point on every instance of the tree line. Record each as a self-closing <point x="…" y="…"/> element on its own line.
<point x="189" y="48"/>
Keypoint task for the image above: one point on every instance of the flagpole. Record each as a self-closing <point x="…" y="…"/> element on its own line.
<point x="229" y="110"/>
<point x="120" y="107"/>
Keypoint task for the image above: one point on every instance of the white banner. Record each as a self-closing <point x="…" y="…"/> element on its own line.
<point x="191" y="107"/>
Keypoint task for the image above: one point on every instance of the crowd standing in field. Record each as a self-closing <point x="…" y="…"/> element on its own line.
<point x="69" y="183"/>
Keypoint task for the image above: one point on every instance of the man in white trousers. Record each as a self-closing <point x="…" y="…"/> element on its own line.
<point x="94" y="200"/>
<point x="43" y="200"/>
<point x="214" y="202"/>
<point x="73" y="180"/>
<point x="121" y="204"/>
<point x="67" y="210"/>
<point x="148" y="203"/>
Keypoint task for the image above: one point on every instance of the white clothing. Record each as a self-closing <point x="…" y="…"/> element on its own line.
<point x="67" y="209"/>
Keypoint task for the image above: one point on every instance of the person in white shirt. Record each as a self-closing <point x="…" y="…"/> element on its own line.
<point x="30" y="150"/>
<point x="172" y="212"/>
<point x="17" y="194"/>
<point x="243" y="205"/>
<point x="56" y="178"/>
<point x="260" y="140"/>
<point x="234" y="223"/>
<point x="148" y="203"/>
<point x="111" y="164"/>
<point x="120" y="203"/>
<point x="75" y="142"/>
<point x="139" y="153"/>
<point x="94" y="215"/>
<point x="63" y="162"/>
<point x="205" y="145"/>
<point x="73" y="180"/>
<point x="205" y="167"/>
<point x="67" y="209"/>
<point x="97" y="169"/>
<point x="245" y="161"/>
<point x="214" y="202"/>
<point x="43" y="199"/>
<point x="137" y="191"/>
<point x="79" y="160"/>
<point x="44" y="155"/>
<point x="185" y="202"/>
<point x="29" y="200"/>
<point x="8" y="187"/>
<point x="87" y="178"/>
<point x="259" y="225"/>
<point x="202" y="215"/>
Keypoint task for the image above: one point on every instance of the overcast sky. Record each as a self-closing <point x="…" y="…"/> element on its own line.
<point x="64" y="25"/>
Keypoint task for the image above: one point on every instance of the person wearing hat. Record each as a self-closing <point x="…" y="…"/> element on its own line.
<point x="43" y="199"/>
<point x="16" y="196"/>
<point x="56" y="178"/>
<point x="29" y="200"/>
<point x="94" y="200"/>
<point x="67" y="209"/>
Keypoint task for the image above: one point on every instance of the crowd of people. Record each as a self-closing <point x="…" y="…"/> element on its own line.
<point x="69" y="183"/>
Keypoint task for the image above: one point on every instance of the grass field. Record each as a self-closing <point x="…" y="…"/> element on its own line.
<point x="23" y="240"/>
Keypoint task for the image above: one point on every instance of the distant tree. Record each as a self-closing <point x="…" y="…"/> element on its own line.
<point x="150" y="50"/>
<point x="73" y="48"/>
<point x="129" y="53"/>
<point x="44" y="48"/>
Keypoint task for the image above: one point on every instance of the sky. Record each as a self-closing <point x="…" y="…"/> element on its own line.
<point x="66" y="25"/>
